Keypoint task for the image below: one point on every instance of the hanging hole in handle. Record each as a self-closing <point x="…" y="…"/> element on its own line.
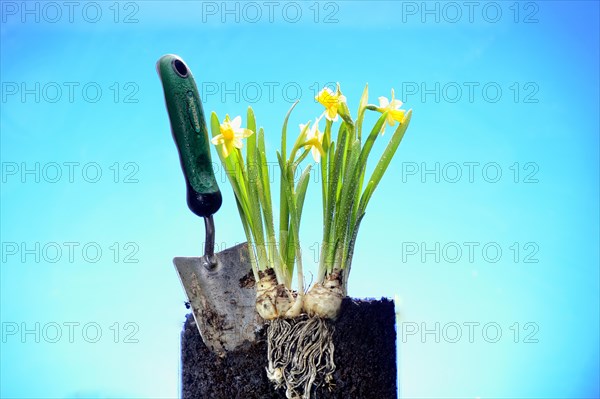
<point x="180" y="68"/>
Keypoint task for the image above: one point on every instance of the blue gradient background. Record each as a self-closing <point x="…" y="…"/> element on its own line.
<point x="372" y="42"/>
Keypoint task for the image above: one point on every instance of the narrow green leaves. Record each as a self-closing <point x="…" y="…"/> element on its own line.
<point x="284" y="130"/>
<point x="364" y="99"/>
<point x="342" y="169"/>
<point x="384" y="161"/>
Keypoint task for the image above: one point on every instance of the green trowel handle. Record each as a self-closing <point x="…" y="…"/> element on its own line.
<point x="191" y="136"/>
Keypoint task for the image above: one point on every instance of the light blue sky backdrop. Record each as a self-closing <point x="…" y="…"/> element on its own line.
<point x="486" y="222"/>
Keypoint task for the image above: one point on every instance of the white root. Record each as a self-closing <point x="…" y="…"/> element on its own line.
<point x="299" y="348"/>
<point x="300" y="355"/>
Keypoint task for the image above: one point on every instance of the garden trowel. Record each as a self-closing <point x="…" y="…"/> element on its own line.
<point x="219" y="287"/>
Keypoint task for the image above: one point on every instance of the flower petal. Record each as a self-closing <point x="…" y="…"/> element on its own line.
<point x="313" y="131"/>
<point x="227" y="148"/>
<point x="318" y="120"/>
<point x="236" y="123"/>
<point x="332" y="114"/>
<point x="243" y="133"/>
<point x="383" y="102"/>
<point x="396" y="114"/>
<point x="218" y="139"/>
<point x="395" y="104"/>
<point x="237" y="142"/>
<point x="326" y="91"/>
<point x="316" y="154"/>
<point x="390" y="119"/>
<point x="326" y="97"/>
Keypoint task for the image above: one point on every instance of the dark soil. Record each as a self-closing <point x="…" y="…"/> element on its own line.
<point x="365" y="356"/>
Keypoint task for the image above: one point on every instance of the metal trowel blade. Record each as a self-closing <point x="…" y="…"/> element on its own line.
<point x="222" y="298"/>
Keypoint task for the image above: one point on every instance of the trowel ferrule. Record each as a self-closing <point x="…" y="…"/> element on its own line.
<point x="209" y="260"/>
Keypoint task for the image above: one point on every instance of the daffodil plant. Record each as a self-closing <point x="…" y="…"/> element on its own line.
<point x="294" y="362"/>
<point x="273" y="257"/>
<point x="344" y="192"/>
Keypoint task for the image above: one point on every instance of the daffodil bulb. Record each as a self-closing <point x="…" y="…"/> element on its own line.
<point x="275" y="300"/>
<point x="266" y="294"/>
<point x="296" y="308"/>
<point x="325" y="299"/>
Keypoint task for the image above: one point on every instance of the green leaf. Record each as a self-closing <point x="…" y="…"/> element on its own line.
<point x="284" y="131"/>
<point x="299" y="143"/>
<point x="350" y="254"/>
<point x="323" y="169"/>
<point x="301" y="188"/>
<point x="365" y="197"/>
<point x="247" y="232"/>
<point x="328" y="214"/>
<point x="299" y="160"/>
<point x="340" y="156"/>
<point x="251" y="160"/>
<point x="264" y="191"/>
<point x="332" y="195"/>
<point x="284" y="214"/>
<point x="349" y="195"/>
<point x="264" y="182"/>
<point x="287" y="188"/>
<point x="327" y="135"/>
<point x="283" y="206"/>
<point x="251" y="119"/>
<point x="290" y="258"/>
<point x="384" y="161"/>
<point x="253" y="206"/>
<point x="362" y="162"/>
<point x="331" y="163"/>
<point x="343" y="131"/>
<point x="338" y="254"/>
<point x="361" y="111"/>
<point x="375" y="132"/>
<point x="241" y="198"/>
<point x="215" y="125"/>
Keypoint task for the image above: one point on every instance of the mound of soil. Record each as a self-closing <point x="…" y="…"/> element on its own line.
<point x="365" y="358"/>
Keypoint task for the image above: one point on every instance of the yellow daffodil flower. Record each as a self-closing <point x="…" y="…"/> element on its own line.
<point x="313" y="136"/>
<point x="330" y="101"/>
<point x="231" y="135"/>
<point x="395" y="114"/>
